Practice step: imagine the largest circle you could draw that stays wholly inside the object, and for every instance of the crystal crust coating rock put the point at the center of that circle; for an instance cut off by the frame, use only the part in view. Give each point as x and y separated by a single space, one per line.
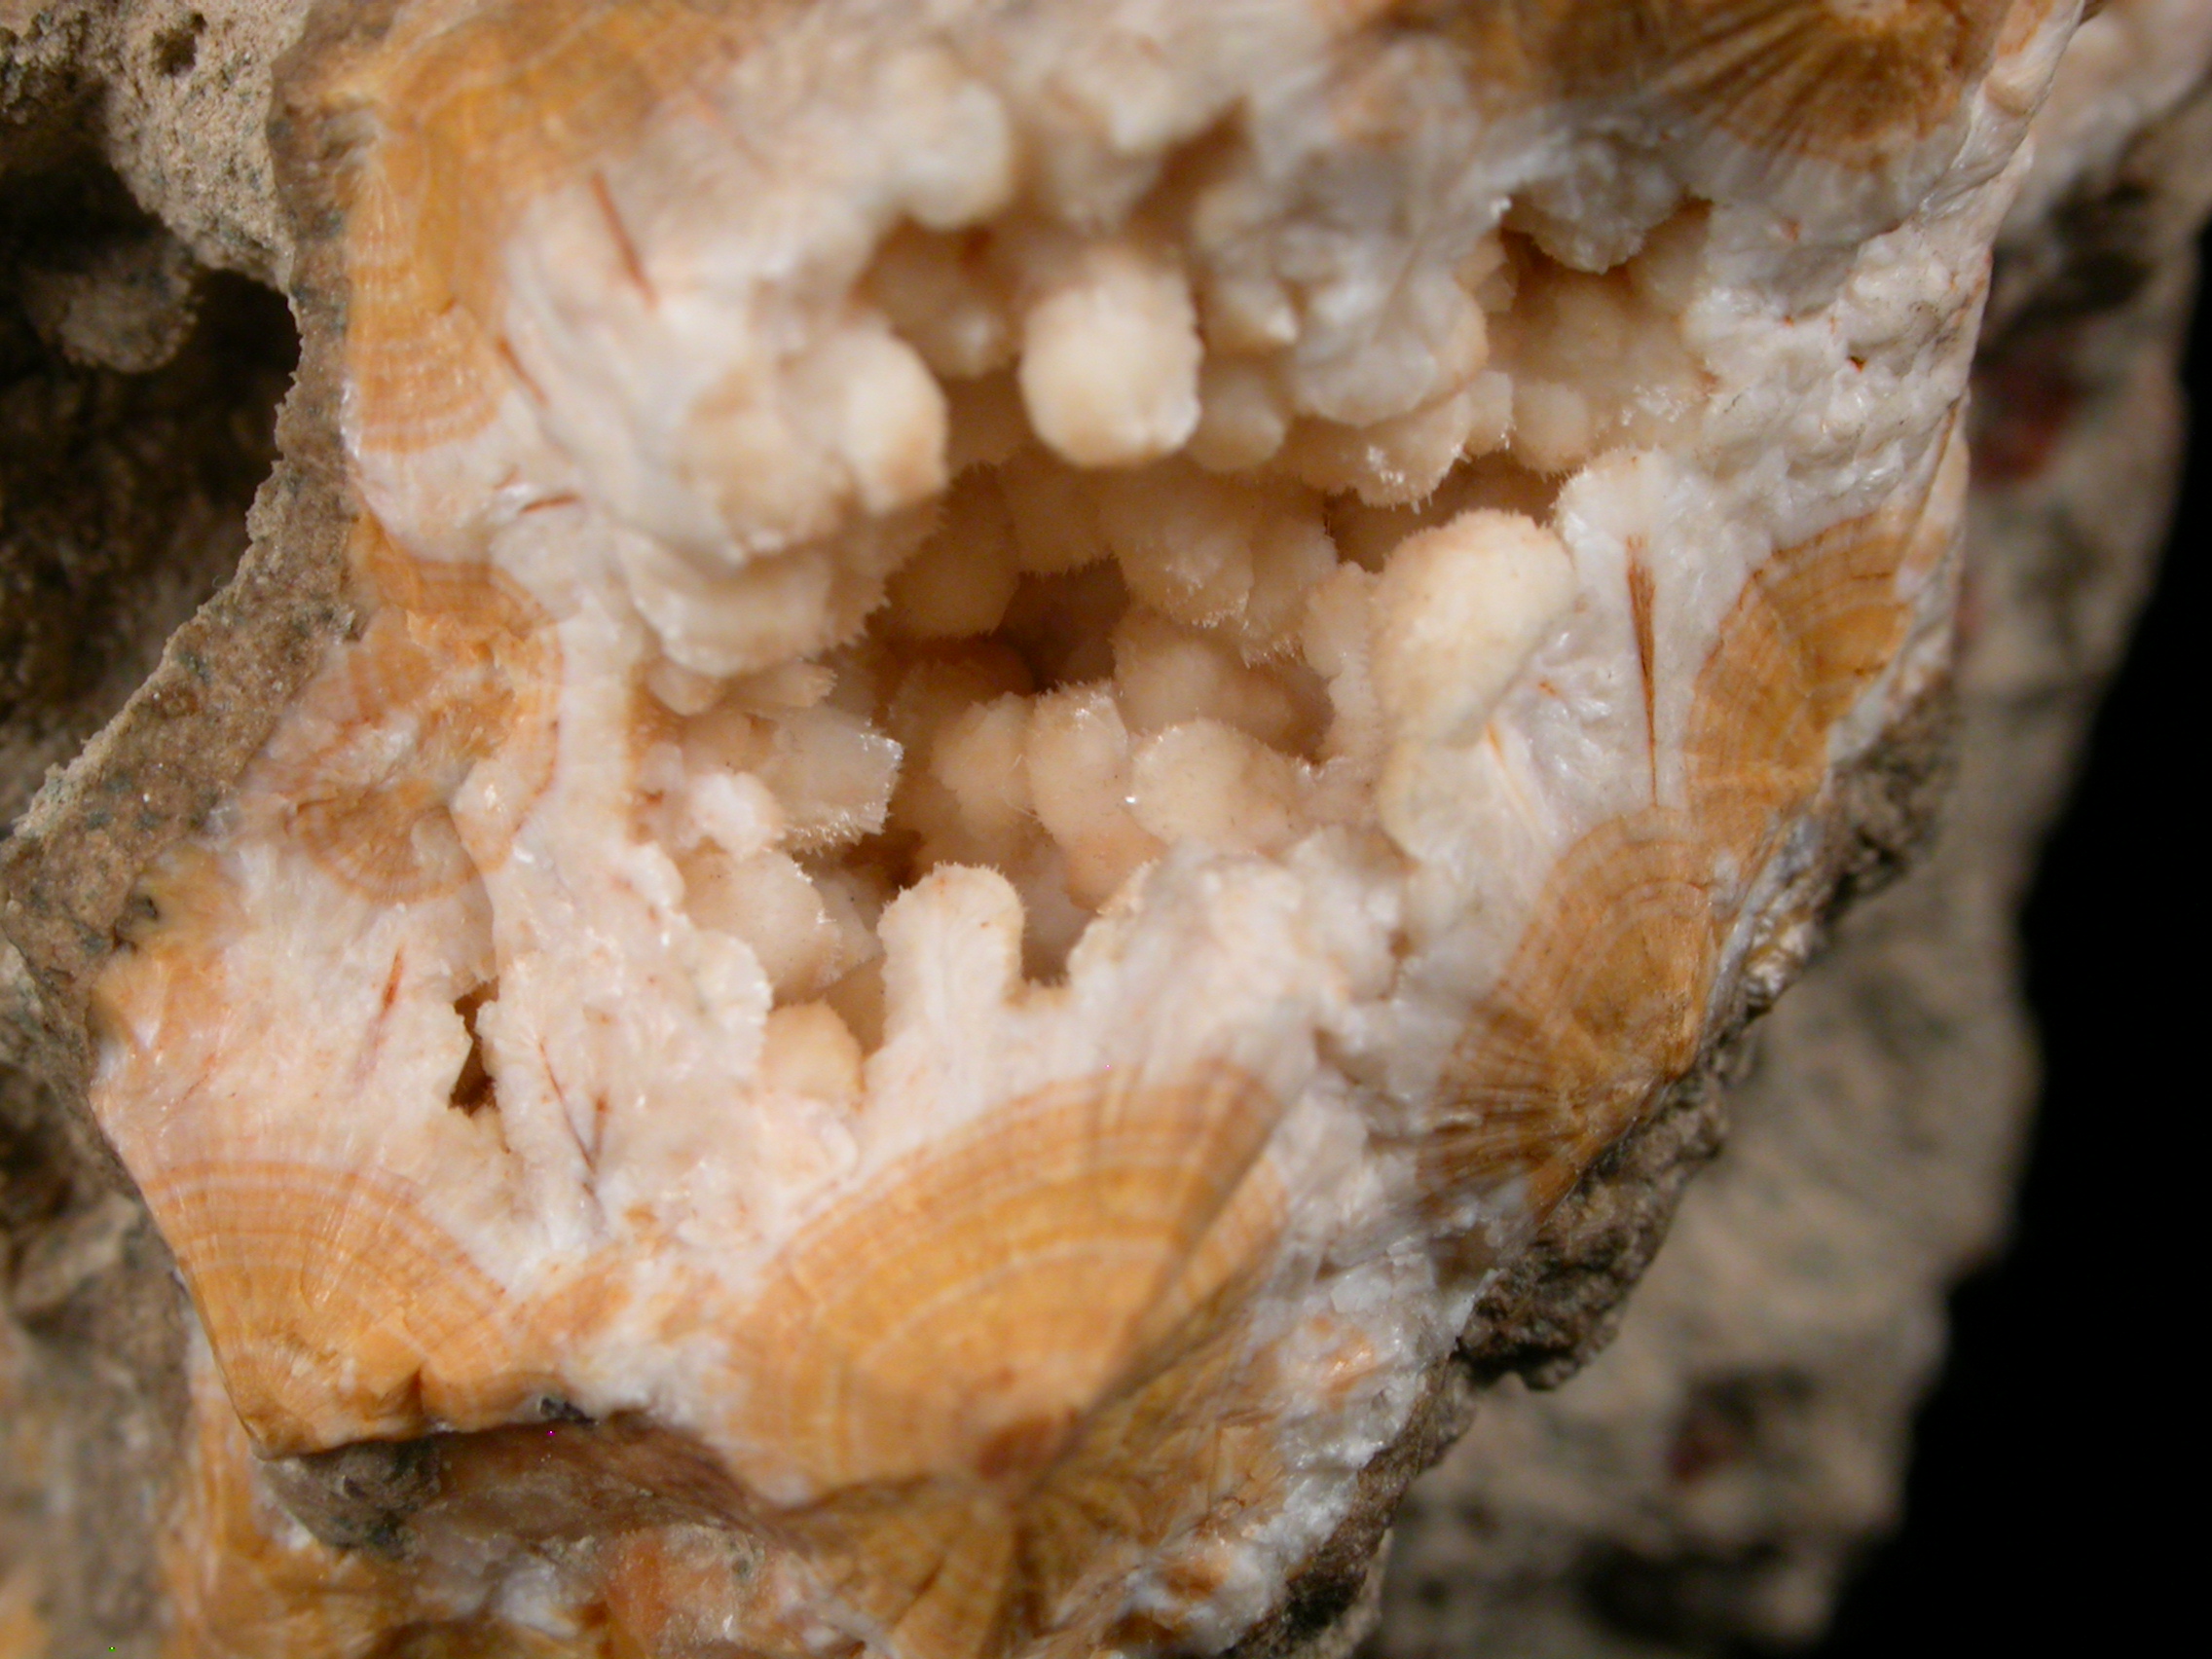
1050 713
1717 1472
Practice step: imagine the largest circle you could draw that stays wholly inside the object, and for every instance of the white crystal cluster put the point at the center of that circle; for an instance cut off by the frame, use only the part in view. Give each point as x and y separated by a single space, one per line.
971 602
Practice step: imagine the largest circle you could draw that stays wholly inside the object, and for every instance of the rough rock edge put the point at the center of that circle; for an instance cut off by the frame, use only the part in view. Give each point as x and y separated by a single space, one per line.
1561 1301
184 737
66 874
175 93
100 1386
116 1314
2090 314
180 742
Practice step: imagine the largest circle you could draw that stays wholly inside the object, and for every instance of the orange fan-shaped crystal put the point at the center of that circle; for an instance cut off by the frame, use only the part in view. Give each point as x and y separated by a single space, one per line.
336 1309
1015 1352
480 108
1813 629
1604 999
414 757
1843 80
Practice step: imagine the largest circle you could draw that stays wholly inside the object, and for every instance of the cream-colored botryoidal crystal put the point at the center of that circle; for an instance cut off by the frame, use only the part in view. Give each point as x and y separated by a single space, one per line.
1055 707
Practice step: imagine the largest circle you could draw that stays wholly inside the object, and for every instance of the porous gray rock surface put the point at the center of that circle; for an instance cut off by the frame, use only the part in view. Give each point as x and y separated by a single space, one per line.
172 95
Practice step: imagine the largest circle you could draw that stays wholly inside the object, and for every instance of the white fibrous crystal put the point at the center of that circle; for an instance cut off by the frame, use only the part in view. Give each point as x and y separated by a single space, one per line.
1110 360
1058 707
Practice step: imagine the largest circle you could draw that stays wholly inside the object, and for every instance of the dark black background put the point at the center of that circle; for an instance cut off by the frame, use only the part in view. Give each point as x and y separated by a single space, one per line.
2054 1493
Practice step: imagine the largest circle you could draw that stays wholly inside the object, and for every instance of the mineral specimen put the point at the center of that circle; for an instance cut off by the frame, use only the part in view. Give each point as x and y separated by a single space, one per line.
1051 709
1715 1475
